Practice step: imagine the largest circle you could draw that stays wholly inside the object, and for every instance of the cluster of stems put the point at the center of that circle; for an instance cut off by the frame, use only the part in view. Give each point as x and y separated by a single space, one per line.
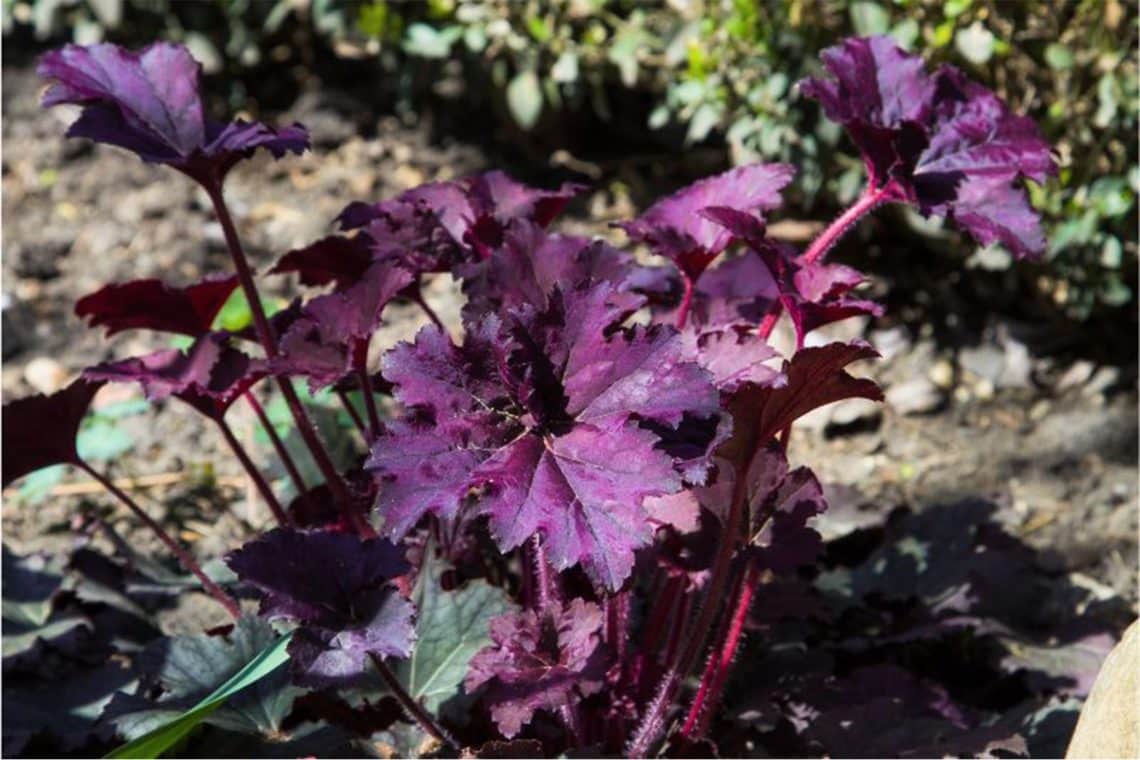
729 570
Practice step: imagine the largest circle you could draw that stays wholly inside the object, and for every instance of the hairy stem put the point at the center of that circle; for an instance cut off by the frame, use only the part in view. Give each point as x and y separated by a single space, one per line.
184 558
278 445
870 199
255 474
265 334
719 659
543 588
727 652
686 301
648 731
413 708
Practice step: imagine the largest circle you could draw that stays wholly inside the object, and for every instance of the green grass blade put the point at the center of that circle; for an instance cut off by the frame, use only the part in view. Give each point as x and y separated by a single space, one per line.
158 741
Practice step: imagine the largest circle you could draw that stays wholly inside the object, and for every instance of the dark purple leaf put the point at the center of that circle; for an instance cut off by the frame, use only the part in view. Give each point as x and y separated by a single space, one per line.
816 376
539 661
339 587
939 141
148 103
674 228
154 305
210 375
782 503
337 258
39 431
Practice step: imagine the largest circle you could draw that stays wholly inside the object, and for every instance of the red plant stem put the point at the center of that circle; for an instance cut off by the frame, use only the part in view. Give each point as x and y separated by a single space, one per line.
731 644
652 722
255 474
411 706
871 198
265 335
686 301
278 445
374 427
355 415
868 201
720 658
184 558
770 320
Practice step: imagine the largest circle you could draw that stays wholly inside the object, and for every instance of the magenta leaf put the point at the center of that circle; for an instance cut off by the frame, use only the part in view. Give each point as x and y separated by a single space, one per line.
554 409
733 355
329 339
673 228
154 305
539 661
531 262
938 141
148 103
39 431
339 587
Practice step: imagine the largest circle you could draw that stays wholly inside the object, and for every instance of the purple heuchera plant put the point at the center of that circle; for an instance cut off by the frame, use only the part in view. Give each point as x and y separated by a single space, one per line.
945 144
148 103
604 436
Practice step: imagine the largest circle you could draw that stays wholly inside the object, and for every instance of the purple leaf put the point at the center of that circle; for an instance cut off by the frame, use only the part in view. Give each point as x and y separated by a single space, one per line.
336 258
440 224
39 431
938 141
209 375
530 263
539 661
674 228
813 294
583 491
739 290
425 470
733 355
329 339
816 377
148 103
338 586
154 305
551 411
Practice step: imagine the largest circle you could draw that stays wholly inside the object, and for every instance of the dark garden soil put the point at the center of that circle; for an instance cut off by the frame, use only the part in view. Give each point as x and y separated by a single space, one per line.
1048 437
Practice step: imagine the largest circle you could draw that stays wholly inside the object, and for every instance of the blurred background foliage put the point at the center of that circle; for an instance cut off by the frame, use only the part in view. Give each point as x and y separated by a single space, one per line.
710 76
